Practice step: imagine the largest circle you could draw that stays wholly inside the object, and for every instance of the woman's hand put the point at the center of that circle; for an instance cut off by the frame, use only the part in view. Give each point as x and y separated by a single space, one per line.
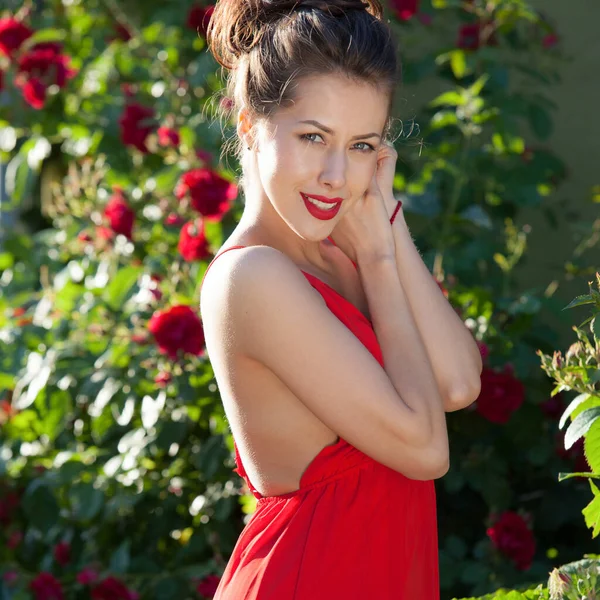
365 231
386 170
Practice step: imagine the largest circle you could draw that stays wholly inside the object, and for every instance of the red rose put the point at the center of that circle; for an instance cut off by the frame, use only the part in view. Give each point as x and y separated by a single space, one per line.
210 194
162 379
178 328
501 395
550 40
112 589
34 93
12 34
511 535
174 220
198 18
10 577
104 233
554 407
84 236
168 136
46 587
405 9
574 454
15 538
62 553
136 124
120 214
141 339
205 157
45 61
87 575
42 66
8 506
192 241
474 35
122 33
483 350
207 587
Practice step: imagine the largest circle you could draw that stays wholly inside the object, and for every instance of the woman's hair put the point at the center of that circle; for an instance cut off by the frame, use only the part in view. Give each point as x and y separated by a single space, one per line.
268 45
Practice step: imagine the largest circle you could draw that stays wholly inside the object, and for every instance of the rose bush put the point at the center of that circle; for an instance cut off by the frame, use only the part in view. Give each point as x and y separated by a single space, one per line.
115 456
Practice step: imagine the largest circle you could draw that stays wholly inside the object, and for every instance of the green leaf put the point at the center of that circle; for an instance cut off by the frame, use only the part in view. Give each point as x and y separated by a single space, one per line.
540 121
40 506
86 501
46 35
580 426
592 511
474 573
6 261
170 588
588 475
592 447
572 406
452 98
478 216
502 262
443 118
119 563
19 179
595 327
478 86
458 63
580 301
166 179
118 289
456 547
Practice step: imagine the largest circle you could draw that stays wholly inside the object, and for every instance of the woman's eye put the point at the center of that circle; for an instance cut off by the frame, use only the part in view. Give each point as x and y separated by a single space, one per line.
367 147
308 137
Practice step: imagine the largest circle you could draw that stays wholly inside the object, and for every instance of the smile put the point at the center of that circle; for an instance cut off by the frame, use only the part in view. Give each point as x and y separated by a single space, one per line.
322 208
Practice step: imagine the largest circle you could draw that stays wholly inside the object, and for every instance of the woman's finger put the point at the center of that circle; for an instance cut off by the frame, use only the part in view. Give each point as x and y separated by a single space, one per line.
386 169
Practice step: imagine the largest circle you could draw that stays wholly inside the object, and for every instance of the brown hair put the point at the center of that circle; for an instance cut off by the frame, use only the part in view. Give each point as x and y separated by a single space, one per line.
268 45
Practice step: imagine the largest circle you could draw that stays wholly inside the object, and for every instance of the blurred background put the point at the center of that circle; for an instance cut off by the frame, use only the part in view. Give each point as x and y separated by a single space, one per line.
116 460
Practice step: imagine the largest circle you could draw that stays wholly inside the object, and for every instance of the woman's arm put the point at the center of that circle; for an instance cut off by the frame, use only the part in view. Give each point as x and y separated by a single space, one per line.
405 356
452 351
257 306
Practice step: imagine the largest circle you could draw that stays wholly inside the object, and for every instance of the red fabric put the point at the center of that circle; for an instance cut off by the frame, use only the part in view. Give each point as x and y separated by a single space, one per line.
355 529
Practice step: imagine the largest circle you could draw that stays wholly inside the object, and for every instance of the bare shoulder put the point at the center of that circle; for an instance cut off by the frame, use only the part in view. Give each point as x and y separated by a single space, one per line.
249 277
245 269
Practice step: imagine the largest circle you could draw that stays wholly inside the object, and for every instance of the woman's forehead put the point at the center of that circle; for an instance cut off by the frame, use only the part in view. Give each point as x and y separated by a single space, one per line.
338 103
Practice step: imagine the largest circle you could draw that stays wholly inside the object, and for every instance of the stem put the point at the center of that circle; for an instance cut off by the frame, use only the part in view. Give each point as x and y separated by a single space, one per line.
438 272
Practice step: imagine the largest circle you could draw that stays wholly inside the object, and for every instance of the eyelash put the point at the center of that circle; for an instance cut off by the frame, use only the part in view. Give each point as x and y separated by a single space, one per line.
305 137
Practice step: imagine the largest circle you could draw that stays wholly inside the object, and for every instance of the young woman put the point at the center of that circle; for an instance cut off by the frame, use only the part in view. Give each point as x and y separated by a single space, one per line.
335 352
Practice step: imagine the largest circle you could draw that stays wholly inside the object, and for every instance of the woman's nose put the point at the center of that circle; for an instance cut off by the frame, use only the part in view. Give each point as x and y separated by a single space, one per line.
333 171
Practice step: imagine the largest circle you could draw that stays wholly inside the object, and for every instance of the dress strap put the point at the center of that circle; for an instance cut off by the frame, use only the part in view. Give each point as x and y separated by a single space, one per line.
215 258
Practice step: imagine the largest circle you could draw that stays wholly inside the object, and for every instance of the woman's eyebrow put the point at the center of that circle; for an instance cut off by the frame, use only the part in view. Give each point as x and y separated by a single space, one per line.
330 131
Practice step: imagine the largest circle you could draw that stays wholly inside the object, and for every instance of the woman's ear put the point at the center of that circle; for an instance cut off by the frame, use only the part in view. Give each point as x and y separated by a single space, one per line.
244 127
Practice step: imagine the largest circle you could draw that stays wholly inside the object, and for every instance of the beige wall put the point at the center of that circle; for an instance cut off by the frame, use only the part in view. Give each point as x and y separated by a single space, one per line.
576 140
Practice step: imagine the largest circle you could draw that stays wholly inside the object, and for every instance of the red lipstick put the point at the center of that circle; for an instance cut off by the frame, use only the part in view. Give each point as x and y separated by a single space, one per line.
320 213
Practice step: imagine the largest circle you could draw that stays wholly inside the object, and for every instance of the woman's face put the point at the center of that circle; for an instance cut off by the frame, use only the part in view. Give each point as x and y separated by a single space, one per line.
325 144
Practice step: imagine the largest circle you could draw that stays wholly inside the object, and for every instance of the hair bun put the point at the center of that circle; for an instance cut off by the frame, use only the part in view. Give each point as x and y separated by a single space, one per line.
236 26
336 8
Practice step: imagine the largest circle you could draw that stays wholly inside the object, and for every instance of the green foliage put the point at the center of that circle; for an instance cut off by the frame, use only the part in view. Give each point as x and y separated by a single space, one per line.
122 451
579 371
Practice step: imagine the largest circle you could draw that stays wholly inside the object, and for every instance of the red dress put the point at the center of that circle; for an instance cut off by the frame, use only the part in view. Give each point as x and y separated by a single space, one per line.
355 530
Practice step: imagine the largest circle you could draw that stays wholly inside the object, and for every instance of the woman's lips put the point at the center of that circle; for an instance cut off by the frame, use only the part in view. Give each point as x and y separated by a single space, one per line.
321 213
